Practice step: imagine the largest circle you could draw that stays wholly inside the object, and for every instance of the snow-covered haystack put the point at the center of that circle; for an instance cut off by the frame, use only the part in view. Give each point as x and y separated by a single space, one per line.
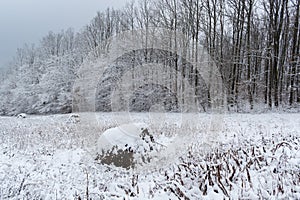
126 145
74 118
21 115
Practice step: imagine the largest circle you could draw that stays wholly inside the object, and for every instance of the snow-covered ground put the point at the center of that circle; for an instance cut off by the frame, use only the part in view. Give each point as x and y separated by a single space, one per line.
237 156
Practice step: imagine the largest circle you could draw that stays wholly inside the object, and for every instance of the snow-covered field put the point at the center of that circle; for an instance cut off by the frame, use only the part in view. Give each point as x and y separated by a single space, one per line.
236 156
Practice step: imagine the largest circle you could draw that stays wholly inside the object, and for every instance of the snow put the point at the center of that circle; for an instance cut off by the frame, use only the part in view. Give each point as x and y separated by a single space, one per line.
253 156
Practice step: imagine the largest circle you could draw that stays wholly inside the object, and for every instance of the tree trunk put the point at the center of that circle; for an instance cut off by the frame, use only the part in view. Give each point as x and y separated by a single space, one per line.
295 55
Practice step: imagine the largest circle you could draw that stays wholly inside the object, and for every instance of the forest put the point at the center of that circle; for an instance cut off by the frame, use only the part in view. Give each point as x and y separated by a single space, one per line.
255 45
161 99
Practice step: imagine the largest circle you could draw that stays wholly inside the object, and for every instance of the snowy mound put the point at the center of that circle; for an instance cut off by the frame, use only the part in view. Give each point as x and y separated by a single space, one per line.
126 145
21 115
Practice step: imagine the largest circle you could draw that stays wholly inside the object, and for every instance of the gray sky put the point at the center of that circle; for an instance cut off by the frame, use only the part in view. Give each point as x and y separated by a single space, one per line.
27 21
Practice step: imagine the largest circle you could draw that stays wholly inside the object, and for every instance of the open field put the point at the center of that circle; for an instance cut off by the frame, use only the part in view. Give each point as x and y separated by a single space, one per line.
237 156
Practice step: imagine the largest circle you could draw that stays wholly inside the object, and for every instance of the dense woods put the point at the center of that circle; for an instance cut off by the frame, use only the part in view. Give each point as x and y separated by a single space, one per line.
254 43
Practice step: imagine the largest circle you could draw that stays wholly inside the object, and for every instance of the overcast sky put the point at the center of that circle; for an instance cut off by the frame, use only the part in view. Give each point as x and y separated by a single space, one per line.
27 21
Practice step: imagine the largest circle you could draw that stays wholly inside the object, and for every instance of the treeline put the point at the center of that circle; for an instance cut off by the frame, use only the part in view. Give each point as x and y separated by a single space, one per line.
255 44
